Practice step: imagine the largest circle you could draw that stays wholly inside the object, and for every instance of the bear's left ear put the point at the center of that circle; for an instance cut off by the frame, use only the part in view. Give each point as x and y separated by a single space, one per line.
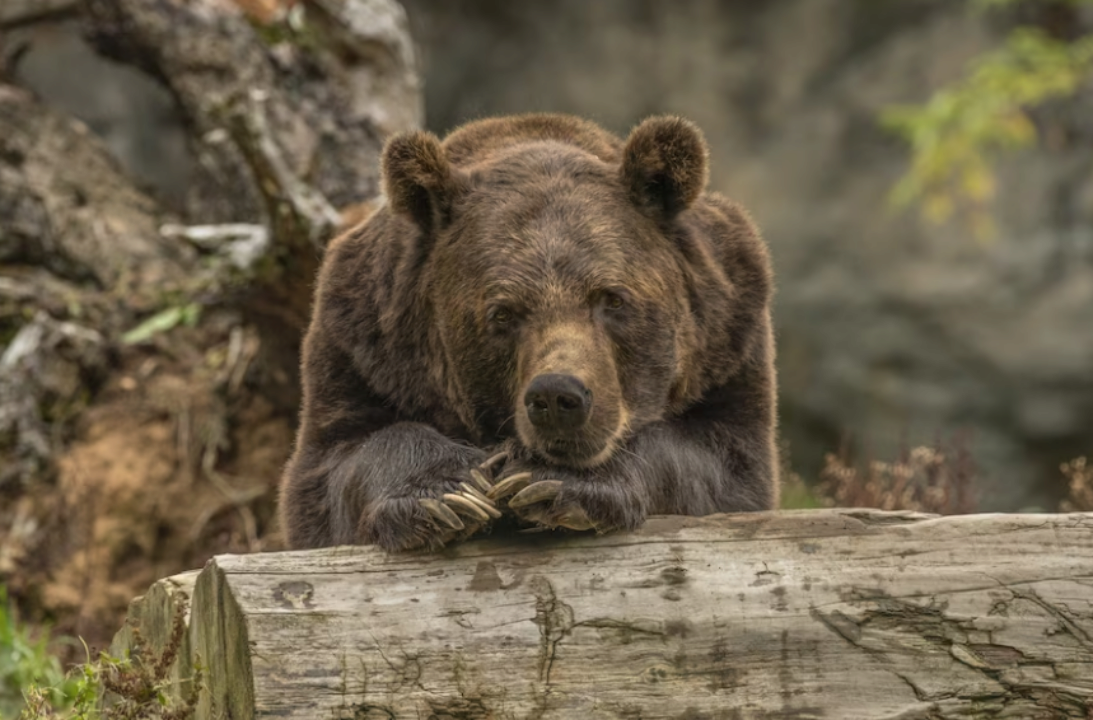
664 166
419 180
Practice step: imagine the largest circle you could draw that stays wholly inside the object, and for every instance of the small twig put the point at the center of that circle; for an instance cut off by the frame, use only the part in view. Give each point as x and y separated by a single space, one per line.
184 430
242 349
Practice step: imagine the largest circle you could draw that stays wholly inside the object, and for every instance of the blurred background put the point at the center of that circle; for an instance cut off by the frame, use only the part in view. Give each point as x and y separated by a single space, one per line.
169 173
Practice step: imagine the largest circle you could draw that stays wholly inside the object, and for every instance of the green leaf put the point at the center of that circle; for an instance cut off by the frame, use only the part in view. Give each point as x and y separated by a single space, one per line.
957 133
162 322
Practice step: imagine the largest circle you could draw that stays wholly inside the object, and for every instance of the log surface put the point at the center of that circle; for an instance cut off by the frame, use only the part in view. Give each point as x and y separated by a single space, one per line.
809 614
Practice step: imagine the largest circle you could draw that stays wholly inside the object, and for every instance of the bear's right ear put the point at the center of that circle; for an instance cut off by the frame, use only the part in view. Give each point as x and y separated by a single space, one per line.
418 179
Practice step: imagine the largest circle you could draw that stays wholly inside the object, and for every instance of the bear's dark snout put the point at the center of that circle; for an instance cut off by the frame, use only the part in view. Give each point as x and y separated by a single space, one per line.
557 403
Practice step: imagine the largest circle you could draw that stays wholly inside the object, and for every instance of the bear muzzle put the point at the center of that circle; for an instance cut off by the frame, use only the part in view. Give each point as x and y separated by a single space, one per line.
558 422
557 404
570 409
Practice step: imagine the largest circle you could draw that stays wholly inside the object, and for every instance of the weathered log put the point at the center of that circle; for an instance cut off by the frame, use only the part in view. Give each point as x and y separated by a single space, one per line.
834 614
152 615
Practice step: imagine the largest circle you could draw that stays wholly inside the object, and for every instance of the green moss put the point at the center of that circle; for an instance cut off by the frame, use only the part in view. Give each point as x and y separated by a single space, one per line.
294 28
25 662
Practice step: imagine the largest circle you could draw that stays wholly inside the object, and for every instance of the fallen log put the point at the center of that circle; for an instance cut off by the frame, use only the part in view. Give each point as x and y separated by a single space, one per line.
807 614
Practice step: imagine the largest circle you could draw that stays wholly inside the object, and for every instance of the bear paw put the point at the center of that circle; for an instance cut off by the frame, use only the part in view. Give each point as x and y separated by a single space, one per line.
538 502
408 522
574 504
468 501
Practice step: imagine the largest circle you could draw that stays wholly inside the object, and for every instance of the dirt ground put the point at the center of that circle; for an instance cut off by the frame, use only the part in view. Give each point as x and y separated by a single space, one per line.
166 469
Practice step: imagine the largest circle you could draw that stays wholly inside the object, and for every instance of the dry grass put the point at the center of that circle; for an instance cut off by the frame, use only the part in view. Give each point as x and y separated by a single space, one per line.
1079 474
933 479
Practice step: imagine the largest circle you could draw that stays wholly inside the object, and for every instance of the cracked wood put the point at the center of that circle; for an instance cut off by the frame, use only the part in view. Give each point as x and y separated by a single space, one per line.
833 614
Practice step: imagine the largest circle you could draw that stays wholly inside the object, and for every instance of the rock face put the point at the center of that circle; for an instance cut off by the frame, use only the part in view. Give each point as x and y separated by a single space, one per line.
129 444
890 330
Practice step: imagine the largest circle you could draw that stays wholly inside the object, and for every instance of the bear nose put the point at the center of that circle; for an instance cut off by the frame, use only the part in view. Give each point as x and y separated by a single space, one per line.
557 402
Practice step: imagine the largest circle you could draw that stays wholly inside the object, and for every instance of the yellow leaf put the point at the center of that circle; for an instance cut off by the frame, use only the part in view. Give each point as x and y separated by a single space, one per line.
978 184
937 208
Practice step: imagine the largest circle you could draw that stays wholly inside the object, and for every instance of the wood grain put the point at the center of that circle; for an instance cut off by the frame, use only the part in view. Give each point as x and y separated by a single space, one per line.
833 614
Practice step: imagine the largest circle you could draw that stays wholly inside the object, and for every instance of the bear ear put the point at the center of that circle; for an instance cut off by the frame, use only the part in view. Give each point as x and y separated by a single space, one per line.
418 179
664 166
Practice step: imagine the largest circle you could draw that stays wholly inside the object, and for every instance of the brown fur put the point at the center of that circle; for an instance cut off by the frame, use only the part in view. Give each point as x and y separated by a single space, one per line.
528 245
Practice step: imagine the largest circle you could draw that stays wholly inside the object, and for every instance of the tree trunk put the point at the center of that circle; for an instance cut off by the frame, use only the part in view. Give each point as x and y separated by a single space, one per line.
148 358
812 614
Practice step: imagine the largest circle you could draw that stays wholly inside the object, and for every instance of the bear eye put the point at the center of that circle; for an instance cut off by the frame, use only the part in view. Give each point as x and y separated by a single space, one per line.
613 301
501 316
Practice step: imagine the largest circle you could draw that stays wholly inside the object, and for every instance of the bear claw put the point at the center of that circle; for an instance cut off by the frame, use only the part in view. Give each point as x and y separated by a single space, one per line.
570 516
487 466
482 475
574 518
460 503
442 513
509 485
536 493
472 493
480 480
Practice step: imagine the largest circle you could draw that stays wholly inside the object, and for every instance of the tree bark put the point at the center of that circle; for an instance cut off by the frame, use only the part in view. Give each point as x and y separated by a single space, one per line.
811 614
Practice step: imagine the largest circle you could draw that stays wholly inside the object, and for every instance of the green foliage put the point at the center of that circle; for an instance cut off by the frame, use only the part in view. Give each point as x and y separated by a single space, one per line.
162 322
956 135
33 686
83 699
796 495
88 693
26 661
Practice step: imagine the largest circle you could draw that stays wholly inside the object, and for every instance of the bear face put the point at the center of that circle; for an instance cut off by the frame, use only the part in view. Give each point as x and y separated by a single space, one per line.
563 297
573 333
544 322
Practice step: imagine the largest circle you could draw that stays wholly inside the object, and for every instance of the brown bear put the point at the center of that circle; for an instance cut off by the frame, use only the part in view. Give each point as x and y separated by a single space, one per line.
540 302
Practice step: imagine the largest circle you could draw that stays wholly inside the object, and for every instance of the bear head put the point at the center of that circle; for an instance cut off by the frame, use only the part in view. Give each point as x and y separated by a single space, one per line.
559 277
